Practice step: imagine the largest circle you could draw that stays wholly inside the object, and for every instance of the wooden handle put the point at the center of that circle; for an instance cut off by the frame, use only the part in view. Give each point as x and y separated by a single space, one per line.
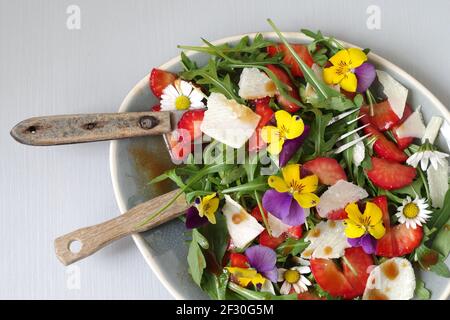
67 129
96 237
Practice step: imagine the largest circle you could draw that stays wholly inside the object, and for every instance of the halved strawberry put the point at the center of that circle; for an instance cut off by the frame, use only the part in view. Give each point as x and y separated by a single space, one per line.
262 109
272 242
189 125
256 213
288 58
360 261
339 214
159 80
385 148
293 91
398 241
390 175
295 232
328 170
239 260
384 117
403 143
330 278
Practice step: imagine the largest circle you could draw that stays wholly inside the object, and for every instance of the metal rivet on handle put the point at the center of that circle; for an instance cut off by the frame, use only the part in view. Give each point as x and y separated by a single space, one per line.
148 122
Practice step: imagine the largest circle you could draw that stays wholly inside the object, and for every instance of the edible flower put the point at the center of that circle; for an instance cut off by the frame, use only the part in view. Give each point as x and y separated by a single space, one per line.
290 195
203 210
288 127
263 259
413 212
294 278
363 228
425 155
181 95
244 276
350 70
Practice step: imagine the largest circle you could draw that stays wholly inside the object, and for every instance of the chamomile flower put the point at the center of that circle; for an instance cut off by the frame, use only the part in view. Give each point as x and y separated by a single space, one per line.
426 155
413 212
181 95
294 277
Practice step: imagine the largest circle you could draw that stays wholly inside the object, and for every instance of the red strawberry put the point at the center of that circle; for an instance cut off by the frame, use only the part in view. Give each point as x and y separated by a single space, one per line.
390 175
288 58
159 80
239 260
295 232
384 117
179 150
403 143
385 148
256 213
272 242
262 109
283 77
328 170
156 108
339 214
330 278
360 261
398 241
189 125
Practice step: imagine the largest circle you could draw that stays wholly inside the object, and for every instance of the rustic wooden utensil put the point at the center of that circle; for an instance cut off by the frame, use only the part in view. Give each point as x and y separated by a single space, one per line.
96 237
68 129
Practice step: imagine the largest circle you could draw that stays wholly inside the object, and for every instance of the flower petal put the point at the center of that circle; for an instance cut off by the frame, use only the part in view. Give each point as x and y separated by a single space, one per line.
307 200
333 75
283 118
353 212
365 74
261 258
270 134
357 57
354 242
272 275
278 184
295 127
349 82
291 146
193 220
342 57
296 215
291 174
277 203
210 206
309 183
372 214
353 230
368 243
377 231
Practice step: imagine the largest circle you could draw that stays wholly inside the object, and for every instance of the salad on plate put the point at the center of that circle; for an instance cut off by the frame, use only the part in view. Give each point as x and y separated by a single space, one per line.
309 174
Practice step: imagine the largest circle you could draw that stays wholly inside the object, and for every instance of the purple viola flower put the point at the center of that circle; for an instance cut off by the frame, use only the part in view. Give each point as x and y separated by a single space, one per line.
283 206
193 219
367 242
291 146
365 74
264 260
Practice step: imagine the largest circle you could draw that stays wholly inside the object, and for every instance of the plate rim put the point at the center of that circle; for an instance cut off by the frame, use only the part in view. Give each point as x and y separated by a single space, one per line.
121 202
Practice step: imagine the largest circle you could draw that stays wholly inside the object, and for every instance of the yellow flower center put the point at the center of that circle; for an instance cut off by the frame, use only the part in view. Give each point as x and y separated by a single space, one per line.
292 276
411 210
182 103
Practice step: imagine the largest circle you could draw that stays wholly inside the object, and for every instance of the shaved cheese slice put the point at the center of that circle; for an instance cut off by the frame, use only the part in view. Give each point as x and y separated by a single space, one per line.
338 196
278 227
413 126
228 121
394 91
328 241
242 227
432 130
394 279
254 84
438 183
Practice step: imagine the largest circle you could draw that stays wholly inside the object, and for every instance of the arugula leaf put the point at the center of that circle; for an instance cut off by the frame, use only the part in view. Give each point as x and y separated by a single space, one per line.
441 242
441 216
423 254
217 236
196 261
292 247
255 295
258 184
421 292
200 239
215 286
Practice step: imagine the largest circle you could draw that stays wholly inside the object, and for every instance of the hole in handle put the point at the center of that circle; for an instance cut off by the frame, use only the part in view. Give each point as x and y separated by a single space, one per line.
75 246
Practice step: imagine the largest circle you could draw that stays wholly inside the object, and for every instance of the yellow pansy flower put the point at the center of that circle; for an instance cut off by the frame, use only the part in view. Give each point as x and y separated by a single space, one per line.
343 70
358 224
301 188
207 206
246 276
288 127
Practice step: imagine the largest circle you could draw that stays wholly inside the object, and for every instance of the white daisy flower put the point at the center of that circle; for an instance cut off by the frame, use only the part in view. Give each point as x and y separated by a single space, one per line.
181 95
426 157
413 212
294 277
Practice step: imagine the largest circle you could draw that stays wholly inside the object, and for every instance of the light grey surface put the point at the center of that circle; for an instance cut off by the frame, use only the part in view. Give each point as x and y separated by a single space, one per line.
47 69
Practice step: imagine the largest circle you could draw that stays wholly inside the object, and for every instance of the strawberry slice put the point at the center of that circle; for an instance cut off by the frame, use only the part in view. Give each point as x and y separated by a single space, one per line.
328 170
239 260
330 278
189 125
301 50
405 142
272 242
256 213
339 214
295 232
384 117
159 80
390 175
398 241
262 109
360 261
293 91
384 148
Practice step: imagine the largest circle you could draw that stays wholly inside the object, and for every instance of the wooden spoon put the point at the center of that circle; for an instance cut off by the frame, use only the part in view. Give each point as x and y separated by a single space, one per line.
96 237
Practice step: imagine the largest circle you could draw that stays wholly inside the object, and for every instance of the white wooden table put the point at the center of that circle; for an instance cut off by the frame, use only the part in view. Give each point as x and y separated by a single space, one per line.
46 68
